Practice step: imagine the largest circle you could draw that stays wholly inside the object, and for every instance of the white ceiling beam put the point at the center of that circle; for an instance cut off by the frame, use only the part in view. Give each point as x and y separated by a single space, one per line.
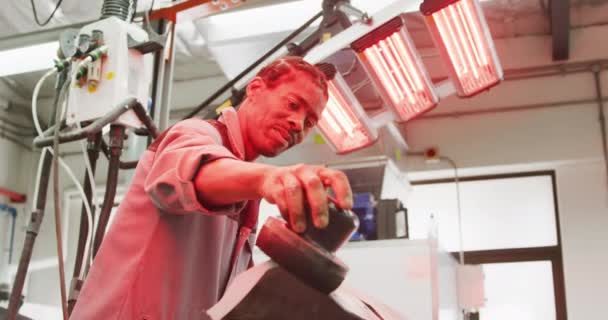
188 94
284 17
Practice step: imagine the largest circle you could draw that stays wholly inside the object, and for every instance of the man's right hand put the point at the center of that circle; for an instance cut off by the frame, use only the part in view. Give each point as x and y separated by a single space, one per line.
295 188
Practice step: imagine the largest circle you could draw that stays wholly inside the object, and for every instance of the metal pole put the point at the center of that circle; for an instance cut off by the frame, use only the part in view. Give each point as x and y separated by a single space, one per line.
167 84
117 136
97 125
30 237
157 75
12 241
140 112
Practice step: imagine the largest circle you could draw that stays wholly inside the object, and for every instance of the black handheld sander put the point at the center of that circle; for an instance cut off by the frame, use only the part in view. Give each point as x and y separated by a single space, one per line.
310 256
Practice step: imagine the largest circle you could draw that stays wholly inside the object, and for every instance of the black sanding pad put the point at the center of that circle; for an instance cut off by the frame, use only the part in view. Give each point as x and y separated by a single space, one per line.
309 262
309 256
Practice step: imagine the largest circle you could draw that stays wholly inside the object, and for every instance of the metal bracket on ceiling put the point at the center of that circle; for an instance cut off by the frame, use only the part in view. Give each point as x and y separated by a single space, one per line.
348 9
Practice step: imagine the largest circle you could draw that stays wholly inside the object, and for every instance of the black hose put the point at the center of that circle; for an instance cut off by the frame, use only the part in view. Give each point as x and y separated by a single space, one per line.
117 134
48 19
231 83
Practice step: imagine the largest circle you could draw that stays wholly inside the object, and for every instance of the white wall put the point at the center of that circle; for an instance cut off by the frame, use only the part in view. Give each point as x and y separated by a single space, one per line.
583 208
566 139
583 211
11 158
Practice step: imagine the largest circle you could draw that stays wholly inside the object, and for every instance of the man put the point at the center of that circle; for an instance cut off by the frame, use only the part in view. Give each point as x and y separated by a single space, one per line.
185 227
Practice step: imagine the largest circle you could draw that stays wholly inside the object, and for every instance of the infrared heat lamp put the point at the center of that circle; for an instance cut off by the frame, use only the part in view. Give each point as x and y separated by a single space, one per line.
344 123
460 33
393 64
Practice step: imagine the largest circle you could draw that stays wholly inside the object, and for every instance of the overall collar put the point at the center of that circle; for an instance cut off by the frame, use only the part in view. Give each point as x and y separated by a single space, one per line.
230 118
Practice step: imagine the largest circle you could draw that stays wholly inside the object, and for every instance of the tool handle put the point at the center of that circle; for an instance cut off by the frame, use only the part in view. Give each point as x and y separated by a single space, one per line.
342 224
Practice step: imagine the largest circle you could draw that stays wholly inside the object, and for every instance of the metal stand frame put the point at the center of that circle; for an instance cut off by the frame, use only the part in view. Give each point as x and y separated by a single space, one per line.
90 131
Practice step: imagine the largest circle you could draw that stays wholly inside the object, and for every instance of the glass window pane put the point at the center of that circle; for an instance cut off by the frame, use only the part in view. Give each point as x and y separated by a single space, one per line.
496 214
522 291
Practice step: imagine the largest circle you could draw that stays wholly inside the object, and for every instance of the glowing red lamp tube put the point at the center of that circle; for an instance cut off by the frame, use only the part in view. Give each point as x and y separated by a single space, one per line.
392 62
460 32
343 123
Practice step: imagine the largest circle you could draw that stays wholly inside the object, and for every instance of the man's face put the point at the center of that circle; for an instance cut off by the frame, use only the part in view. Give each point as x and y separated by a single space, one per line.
280 117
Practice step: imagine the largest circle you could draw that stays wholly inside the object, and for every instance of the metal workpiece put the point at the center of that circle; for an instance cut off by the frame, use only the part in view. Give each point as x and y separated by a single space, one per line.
309 256
279 295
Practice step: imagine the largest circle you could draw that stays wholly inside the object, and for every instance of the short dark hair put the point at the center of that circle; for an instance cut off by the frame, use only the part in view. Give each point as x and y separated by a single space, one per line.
273 72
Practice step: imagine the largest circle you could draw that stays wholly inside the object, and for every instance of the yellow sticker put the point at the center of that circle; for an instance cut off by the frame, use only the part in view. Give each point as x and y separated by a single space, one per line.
326 36
92 87
397 154
319 139
223 106
110 75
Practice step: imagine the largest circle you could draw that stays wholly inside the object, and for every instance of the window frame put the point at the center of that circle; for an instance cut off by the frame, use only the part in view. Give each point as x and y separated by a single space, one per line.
545 253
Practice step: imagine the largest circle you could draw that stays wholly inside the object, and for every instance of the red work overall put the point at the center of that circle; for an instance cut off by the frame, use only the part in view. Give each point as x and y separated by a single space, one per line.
167 255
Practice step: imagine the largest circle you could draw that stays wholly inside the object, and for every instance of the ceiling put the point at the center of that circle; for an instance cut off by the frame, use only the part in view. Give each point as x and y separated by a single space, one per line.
506 18
197 46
